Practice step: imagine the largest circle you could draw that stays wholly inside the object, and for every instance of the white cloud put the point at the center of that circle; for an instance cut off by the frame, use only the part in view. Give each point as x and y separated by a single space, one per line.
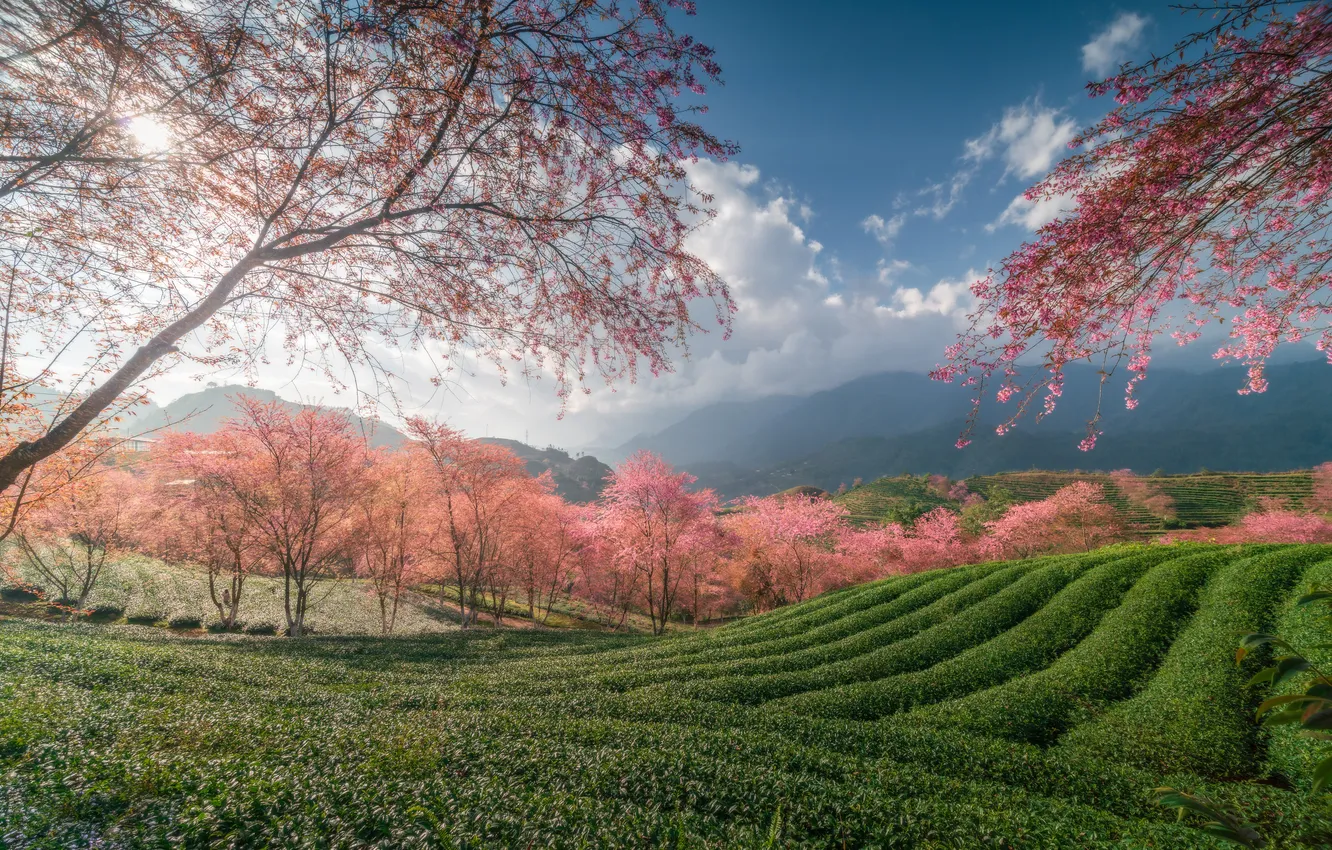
884 231
943 196
888 270
1033 215
1029 138
800 328
1114 44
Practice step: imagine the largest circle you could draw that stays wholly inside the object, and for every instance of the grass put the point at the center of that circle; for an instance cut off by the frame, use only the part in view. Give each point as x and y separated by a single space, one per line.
956 712
145 591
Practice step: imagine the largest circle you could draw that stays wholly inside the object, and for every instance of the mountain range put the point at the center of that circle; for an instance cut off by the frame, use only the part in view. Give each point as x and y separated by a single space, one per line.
895 422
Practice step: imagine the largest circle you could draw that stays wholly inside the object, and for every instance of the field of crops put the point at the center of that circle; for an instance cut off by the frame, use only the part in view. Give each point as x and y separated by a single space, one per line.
1021 704
1200 499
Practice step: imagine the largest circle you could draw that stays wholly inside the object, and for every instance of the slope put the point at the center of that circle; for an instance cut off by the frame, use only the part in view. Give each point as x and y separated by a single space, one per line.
997 682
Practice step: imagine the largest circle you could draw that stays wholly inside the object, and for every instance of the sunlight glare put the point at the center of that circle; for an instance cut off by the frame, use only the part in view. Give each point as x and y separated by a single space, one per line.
151 134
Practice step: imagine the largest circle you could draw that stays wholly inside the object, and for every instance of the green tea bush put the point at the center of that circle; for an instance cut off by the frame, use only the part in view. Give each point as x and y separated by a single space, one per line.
1195 714
1124 647
1028 645
129 737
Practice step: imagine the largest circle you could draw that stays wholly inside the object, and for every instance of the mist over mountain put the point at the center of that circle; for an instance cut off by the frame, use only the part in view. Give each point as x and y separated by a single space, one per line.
897 422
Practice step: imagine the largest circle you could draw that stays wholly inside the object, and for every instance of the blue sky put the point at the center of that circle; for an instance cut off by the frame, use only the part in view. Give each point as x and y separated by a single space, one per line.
882 149
849 106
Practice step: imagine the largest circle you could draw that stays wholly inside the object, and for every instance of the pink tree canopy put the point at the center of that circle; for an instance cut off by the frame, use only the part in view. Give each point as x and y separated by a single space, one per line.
1203 197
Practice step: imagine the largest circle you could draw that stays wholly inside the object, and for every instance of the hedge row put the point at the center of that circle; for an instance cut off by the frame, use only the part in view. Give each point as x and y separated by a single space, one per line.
1029 645
846 637
338 774
1291 754
785 622
1125 647
1195 714
976 625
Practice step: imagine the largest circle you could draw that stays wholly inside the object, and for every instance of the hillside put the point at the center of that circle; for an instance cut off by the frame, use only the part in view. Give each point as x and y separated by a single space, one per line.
1033 704
1200 499
579 480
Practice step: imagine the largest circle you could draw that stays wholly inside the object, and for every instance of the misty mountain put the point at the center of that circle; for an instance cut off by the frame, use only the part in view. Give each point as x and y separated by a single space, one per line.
205 411
903 422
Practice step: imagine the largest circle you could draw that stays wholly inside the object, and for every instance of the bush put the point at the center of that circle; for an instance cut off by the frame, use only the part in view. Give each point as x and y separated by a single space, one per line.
106 612
185 621
22 592
260 629
1030 645
1195 713
1125 645
843 638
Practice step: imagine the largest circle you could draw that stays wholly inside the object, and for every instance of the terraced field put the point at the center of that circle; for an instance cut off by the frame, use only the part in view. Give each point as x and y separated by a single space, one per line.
1201 499
1021 704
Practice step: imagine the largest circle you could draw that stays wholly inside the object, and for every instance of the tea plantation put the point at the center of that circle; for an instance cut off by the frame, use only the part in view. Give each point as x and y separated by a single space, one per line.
1021 704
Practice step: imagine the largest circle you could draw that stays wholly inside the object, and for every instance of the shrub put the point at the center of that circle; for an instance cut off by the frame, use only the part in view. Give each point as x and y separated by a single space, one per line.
260 629
1125 645
22 592
1029 645
185 621
1195 714
106 612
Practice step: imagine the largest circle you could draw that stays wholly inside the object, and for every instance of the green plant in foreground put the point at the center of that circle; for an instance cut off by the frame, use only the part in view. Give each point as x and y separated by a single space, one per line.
1310 709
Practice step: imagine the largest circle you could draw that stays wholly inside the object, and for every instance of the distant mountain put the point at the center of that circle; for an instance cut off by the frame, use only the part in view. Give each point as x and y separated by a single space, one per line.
205 411
903 422
579 479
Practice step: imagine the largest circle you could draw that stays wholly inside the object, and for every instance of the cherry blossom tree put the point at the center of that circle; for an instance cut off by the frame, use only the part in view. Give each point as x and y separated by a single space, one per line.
478 489
199 518
544 549
788 547
503 182
1076 518
870 552
68 538
298 479
935 540
652 518
1144 494
1208 185
394 523
1321 498
607 582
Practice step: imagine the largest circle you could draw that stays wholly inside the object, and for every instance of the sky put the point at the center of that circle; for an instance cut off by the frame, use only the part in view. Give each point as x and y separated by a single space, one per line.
884 151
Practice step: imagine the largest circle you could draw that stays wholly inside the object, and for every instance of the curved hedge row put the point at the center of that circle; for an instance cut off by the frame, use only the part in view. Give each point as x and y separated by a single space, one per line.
1290 754
1126 645
1029 645
844 638
122 736
1195 714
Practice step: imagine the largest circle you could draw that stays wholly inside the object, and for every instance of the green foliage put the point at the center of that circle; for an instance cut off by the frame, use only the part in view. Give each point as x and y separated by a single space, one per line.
901 499
1195 714
1030 644
1124 647
143 738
